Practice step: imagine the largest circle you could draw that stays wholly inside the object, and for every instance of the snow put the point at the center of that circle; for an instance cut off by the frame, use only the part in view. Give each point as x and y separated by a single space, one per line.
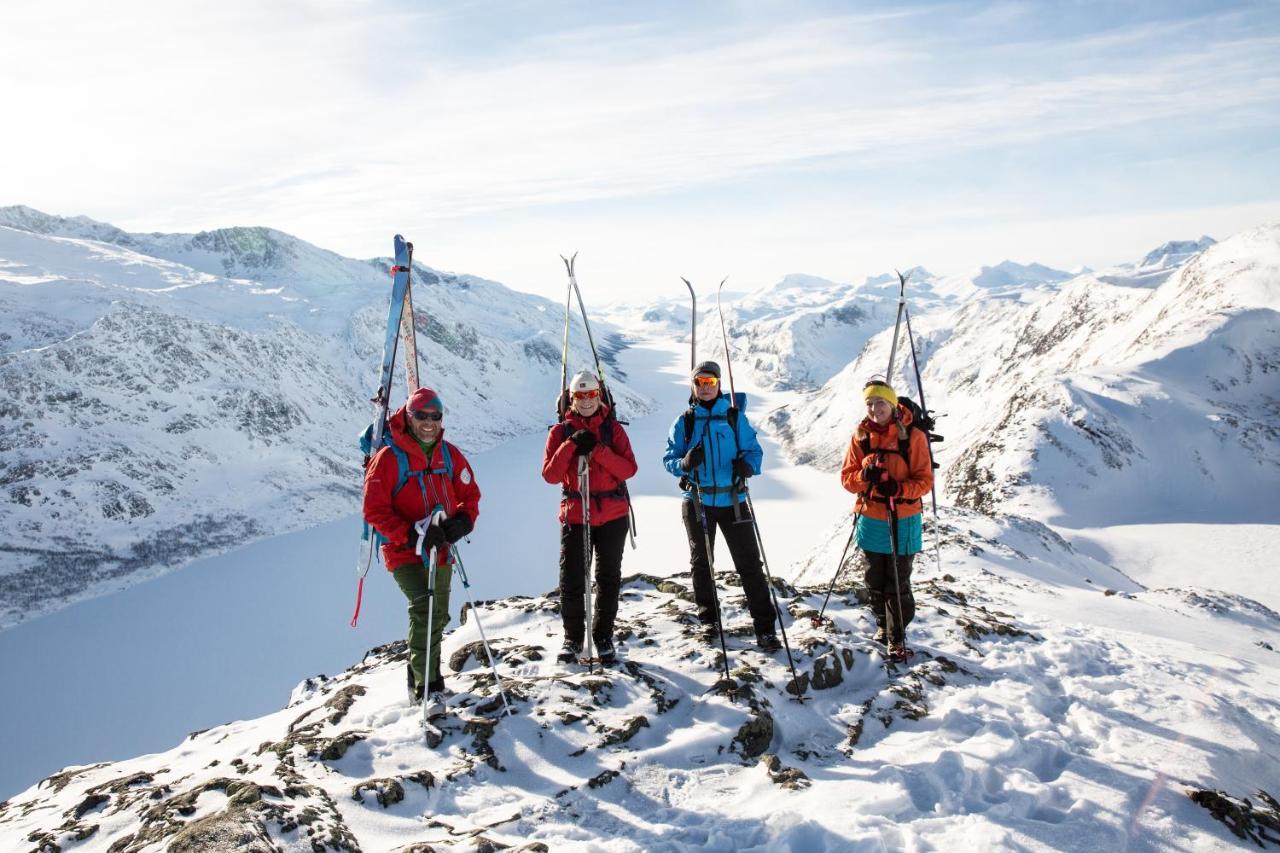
1083 726
1091 649
1240 558
292 596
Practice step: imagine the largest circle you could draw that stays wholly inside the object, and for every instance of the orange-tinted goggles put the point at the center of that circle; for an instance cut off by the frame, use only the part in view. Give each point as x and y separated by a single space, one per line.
586 395
704 381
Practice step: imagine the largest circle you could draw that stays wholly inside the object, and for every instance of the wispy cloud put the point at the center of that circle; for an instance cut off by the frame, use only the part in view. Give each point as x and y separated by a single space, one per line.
334 119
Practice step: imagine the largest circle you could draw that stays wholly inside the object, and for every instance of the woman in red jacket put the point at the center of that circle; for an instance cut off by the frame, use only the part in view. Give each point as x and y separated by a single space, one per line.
415 475
589 429
887 466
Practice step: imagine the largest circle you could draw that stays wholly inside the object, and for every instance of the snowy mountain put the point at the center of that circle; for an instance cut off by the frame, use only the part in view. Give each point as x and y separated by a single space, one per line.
1158 265
1095 386
171 395
798 333
1008 274
1036 715
164 396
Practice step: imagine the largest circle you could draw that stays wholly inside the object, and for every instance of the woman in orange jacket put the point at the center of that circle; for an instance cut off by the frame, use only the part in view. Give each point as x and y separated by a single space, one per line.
887 466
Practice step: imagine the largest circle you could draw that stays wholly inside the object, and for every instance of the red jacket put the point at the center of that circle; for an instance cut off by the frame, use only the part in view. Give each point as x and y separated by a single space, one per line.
609 467
914 479
394 515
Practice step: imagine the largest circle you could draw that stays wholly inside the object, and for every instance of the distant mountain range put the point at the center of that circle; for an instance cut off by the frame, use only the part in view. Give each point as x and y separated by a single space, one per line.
165 396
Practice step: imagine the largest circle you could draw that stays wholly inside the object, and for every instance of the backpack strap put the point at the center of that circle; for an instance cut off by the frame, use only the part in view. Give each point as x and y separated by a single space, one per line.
731 417
407 473
402 464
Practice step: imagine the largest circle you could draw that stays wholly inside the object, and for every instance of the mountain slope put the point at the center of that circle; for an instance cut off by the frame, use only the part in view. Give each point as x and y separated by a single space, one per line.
154 410
1095 383
1035 715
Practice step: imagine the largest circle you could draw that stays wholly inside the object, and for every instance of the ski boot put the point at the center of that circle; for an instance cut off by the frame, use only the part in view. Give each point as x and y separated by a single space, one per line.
569 652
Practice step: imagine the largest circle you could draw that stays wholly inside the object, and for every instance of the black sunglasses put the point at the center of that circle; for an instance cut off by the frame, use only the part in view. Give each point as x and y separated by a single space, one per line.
428 415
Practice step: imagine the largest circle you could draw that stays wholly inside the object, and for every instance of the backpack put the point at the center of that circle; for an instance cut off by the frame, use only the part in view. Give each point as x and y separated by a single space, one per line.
736 405
921 420
406 473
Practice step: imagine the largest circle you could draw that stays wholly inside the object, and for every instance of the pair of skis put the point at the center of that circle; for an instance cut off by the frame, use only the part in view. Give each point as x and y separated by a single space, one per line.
563 404
400 334
736 401
401 337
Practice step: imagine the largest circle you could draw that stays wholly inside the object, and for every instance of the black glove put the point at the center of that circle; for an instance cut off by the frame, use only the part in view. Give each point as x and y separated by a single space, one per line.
742 468
684 484
456 526
434 538
412 544
888 487
873 474
585 439
693 458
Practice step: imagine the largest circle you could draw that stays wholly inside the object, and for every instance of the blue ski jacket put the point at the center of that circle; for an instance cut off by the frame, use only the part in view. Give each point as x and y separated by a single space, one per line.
720 446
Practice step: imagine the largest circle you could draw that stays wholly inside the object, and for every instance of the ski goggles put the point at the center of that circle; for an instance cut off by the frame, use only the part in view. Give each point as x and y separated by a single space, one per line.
428 415
586 395
706 381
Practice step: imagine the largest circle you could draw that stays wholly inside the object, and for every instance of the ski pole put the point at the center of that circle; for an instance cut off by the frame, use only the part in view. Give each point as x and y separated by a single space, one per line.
817 620
933 487
466 588
764 561
584 489
422 526
897 586
711 571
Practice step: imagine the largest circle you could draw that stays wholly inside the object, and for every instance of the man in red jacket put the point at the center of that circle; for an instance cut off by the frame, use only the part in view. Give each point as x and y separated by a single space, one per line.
414 477
589 429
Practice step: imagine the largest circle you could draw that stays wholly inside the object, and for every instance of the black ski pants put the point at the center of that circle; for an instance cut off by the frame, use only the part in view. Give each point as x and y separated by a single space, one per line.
884 595
741 539
607 541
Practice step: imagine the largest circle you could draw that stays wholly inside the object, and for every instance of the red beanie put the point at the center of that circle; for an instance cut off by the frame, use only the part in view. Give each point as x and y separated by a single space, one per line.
422 399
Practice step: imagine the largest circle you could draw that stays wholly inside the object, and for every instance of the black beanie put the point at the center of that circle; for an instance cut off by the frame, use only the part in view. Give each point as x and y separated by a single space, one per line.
707 367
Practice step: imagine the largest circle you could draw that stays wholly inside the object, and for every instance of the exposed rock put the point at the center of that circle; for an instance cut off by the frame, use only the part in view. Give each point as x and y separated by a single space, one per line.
791 778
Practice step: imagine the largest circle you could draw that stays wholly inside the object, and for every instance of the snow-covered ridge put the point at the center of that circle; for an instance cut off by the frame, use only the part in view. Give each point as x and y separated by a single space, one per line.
1093 385
1036 714
168 396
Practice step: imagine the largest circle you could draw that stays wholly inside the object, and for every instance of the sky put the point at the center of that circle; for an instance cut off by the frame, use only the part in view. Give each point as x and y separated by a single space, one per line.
659 140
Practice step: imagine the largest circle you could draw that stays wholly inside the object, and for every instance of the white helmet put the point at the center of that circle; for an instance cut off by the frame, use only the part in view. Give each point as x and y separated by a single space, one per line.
584 380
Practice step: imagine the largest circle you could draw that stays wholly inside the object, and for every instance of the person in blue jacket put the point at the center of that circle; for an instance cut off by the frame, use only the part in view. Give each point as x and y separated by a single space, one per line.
713 449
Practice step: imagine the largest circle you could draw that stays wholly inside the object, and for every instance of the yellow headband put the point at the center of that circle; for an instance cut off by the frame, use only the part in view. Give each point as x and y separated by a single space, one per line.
879 389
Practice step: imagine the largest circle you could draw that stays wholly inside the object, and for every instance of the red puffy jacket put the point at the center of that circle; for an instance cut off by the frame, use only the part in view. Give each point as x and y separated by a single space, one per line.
609 467
394 515
914 475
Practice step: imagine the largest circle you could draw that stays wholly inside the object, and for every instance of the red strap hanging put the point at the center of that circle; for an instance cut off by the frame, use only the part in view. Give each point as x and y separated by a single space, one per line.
359 596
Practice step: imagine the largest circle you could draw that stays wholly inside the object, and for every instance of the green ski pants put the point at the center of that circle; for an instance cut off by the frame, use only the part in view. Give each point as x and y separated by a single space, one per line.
412 579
